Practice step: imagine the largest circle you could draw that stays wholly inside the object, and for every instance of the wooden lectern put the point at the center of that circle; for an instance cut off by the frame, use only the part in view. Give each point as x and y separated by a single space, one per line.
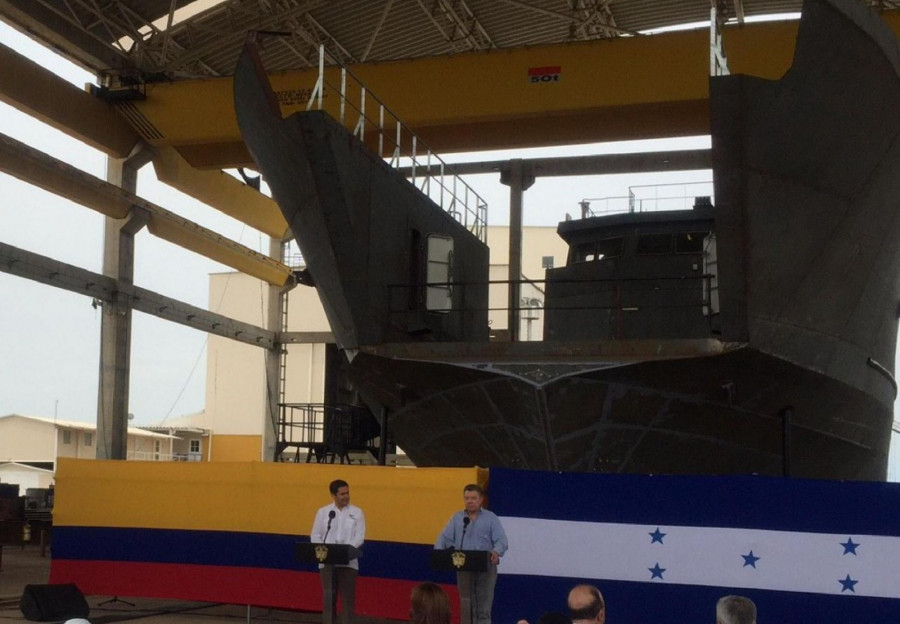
464 563
329 555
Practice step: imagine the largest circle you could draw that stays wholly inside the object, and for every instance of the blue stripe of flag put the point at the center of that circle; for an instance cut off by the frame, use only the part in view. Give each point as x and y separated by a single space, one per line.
225 548
734 501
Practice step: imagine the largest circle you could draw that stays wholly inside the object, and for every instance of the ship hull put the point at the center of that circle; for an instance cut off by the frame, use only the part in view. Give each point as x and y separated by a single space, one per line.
711 414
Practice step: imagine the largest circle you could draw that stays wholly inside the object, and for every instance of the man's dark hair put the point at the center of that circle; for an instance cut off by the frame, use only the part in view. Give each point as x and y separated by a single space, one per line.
474 487
591 610
337 484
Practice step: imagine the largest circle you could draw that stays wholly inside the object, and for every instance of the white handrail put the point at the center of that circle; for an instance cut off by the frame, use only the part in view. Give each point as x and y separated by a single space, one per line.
470 210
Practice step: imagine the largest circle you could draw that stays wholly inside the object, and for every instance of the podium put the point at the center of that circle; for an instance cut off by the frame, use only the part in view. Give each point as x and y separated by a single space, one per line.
465 563
328 555
452 560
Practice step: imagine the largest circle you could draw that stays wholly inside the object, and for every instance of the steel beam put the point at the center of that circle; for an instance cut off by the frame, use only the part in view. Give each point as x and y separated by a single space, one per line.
32 89
53 175
222 192
305 337
108 291
601 164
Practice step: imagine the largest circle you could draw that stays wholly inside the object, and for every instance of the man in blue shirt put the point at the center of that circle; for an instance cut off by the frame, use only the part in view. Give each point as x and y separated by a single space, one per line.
475 528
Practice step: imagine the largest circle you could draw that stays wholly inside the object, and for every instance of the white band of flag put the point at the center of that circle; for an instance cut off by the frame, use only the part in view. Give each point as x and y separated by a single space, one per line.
862 565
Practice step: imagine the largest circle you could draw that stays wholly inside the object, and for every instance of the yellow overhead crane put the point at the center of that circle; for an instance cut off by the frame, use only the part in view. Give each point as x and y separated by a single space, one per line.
624 88
614 89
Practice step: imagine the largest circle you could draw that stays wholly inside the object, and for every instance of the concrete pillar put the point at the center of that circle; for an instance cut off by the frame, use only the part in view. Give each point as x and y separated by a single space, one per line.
115 330
519 178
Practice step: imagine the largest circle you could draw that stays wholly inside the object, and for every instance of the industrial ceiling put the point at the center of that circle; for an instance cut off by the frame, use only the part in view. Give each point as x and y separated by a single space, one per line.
178 39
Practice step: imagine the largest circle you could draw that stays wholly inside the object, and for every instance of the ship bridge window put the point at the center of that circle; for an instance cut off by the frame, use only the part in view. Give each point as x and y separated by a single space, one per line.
439 273
654 244
598 250
690 242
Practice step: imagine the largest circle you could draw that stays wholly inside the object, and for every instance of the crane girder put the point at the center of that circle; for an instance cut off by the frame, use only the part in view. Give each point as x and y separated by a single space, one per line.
613 89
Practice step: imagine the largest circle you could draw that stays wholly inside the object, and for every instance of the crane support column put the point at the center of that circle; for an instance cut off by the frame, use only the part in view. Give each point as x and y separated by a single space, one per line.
115 331
519 178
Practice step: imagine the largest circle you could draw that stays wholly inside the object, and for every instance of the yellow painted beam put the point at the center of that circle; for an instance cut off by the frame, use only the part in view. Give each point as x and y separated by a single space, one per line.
32 89
222 192
624 88
55 176
187 234
615 89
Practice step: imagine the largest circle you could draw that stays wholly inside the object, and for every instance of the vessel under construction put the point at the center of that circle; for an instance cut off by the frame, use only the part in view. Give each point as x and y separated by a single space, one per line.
752 333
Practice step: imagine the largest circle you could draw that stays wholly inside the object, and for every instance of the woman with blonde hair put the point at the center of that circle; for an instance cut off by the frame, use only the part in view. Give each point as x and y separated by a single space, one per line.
429 604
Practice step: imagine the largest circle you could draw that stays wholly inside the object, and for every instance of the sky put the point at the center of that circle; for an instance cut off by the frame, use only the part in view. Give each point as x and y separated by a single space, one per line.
50 338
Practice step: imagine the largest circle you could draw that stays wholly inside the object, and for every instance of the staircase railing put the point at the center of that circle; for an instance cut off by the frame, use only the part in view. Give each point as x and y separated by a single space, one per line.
398 145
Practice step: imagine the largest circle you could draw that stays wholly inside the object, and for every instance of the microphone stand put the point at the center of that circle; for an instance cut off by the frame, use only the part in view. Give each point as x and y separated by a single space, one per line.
328 528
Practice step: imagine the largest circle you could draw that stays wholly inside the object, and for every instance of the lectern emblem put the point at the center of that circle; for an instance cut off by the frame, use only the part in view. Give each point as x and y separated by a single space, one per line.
458 558
321 552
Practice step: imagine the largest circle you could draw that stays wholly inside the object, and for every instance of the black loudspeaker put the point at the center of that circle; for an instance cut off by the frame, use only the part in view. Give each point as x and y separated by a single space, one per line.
42 603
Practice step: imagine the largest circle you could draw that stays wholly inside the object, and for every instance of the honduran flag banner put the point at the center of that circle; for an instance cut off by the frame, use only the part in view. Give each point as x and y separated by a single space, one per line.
227 532
664 549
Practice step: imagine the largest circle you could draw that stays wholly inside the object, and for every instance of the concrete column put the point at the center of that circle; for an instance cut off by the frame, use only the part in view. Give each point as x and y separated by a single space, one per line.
519 177
115 330
274 362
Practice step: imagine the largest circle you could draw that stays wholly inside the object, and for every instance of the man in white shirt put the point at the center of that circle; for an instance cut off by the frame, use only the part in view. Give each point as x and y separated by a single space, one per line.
341 523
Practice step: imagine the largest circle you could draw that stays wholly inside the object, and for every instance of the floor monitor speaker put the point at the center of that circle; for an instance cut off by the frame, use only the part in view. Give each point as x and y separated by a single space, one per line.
43 603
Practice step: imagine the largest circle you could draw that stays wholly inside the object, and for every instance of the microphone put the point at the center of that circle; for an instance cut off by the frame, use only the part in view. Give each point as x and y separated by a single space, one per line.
328 528
466 521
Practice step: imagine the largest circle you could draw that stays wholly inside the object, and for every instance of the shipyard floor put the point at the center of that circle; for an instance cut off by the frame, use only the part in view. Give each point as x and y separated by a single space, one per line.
22 566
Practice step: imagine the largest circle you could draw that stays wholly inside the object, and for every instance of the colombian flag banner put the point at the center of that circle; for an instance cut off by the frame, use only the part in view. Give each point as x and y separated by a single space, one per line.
227 532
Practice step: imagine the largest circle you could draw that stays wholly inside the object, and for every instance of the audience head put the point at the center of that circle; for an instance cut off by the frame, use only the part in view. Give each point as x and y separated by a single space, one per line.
586 604
735 610
429 604
552 617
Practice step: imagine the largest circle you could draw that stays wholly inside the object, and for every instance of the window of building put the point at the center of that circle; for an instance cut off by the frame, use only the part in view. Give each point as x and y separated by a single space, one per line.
601 250
583 253
67 436
547 262
654 244
88 438
609 248
195 446
439 264
689 242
